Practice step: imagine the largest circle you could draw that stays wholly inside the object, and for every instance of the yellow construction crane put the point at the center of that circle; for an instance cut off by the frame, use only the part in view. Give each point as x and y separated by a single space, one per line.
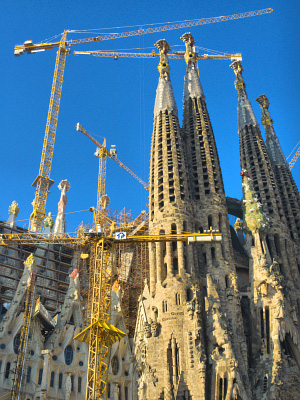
100 334
176 55
18 373
294 159
102 152
43 181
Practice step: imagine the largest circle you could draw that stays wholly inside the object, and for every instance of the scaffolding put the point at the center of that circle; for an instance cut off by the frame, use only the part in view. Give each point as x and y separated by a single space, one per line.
54 265
132 266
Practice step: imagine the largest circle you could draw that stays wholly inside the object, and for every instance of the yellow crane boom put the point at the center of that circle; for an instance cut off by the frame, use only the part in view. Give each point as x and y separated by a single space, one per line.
110 155
43 181
294 159
176 55
30 48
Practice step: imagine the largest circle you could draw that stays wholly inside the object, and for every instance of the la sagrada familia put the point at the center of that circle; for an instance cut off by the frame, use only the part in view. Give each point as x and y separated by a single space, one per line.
215 321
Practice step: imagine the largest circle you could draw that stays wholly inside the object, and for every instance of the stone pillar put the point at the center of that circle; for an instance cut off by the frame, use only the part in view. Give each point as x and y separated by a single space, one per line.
46 356
159 262
169 253
173 344
152 266
181 263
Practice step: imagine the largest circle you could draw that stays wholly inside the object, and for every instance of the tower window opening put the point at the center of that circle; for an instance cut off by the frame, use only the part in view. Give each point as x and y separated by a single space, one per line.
175 265
7 370
220 222
177 299
40 376
28 375
277 244
265 384
220 389
60 379
225 388
79 384
213 254
262 325
52 376
189 295
164 306
267 313
226 281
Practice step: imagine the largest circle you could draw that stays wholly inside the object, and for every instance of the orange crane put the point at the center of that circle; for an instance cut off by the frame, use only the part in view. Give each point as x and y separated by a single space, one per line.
43 182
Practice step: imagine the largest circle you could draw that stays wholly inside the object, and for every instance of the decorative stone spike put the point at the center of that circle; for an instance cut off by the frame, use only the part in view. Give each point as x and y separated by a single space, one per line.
60 223
245 112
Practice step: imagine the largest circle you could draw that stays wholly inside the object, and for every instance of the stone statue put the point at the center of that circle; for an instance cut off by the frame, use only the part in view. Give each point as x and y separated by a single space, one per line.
235 394
49 221
14 208
59 226
117 392
68 387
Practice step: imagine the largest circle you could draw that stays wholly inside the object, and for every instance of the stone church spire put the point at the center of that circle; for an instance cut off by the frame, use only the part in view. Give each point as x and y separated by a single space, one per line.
254 157
285 181
272 258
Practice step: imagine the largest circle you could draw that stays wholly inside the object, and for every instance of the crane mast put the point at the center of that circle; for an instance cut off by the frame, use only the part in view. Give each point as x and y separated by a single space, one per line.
43 182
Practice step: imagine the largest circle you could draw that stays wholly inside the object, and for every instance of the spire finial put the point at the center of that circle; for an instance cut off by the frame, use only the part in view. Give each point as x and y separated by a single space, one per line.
163 66
264 103
190 56
60 223
239 82
245 113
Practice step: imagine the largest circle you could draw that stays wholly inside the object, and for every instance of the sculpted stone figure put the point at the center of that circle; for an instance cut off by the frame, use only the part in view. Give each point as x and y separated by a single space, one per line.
235 394
68 387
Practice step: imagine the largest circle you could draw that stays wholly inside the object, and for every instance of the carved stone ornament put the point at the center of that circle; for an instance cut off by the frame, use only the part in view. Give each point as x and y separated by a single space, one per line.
154 328
14 208
147 330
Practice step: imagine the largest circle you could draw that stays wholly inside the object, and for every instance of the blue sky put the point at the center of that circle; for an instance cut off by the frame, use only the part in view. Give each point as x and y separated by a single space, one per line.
115 99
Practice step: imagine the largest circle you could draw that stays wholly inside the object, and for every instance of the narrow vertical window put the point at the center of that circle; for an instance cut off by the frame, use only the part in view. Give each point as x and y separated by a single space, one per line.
40 376
267 313
52 376
265 385
225 387
60 379
262 325
7 370
28 375
221 389
72 383
79 383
